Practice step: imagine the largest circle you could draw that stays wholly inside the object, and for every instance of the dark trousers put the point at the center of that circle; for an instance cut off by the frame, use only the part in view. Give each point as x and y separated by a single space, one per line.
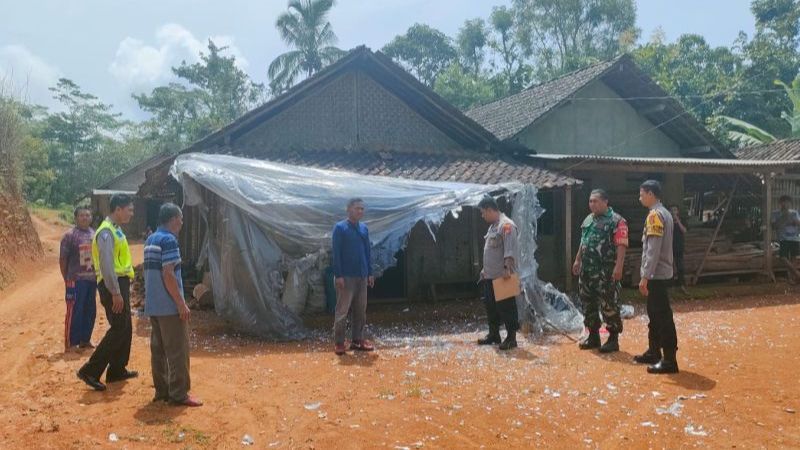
680 268
503 311
169 357
114 351
661 329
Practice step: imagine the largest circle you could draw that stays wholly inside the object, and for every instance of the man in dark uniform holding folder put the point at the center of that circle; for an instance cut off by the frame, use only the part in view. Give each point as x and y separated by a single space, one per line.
499 261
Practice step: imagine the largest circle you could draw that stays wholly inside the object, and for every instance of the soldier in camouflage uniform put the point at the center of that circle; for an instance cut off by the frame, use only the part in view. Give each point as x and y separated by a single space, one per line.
599 262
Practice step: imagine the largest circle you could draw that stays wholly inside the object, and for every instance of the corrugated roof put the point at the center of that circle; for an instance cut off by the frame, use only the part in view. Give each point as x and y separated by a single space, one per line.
674 164
787 150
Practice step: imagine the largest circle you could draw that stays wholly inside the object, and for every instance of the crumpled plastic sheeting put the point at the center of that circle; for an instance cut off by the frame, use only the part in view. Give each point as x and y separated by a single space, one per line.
540 303
278 218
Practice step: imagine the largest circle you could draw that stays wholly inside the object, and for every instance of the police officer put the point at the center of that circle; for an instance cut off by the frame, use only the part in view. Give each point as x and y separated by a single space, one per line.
656 277
599 262
499 260
113 265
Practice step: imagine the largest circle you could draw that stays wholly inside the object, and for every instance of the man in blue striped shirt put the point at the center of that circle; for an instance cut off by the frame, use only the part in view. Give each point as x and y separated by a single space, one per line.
353 272
167 309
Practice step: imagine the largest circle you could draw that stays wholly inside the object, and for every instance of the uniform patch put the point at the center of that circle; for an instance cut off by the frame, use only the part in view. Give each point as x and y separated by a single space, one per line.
507 228
654 226
621 233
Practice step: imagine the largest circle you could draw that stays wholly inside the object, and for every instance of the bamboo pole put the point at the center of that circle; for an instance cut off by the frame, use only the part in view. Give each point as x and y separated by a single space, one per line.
716 233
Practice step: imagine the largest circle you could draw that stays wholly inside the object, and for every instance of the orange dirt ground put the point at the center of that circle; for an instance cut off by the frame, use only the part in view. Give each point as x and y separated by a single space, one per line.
427 386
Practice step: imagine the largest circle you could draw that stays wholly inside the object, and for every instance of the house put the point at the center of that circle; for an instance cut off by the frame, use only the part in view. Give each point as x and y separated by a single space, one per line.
365 114
610 109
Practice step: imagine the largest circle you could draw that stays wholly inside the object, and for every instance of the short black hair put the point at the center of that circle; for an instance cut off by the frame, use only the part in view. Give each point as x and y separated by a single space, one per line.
167 212
79 209
785 198
120 201
600 193
353 201
652 186
488 202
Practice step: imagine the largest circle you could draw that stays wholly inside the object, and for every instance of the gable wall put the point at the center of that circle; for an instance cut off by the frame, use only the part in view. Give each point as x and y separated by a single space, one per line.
598 127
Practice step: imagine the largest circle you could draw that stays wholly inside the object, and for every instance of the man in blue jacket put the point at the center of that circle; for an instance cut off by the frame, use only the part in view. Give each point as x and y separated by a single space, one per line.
353 273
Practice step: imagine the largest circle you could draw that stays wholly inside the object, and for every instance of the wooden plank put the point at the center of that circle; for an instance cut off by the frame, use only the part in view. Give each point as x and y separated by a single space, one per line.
568 237
767 223
716 231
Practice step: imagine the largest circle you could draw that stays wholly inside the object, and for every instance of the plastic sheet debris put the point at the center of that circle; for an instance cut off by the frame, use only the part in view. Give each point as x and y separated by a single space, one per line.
674 409
265 219
649 424
312 406
691 430
790 410
181 436
247 440
626 311
113 437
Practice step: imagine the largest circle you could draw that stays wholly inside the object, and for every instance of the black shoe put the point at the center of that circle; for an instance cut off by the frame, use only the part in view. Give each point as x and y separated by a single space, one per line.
490 339
510 342
611 345
648 357
92 382
663 366
127 375
592 341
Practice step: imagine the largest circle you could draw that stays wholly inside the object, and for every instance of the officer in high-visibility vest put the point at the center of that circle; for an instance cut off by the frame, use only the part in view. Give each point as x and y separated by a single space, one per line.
114 268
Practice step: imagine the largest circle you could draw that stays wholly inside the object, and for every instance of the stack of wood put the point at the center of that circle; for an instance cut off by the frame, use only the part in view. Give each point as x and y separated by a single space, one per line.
725 256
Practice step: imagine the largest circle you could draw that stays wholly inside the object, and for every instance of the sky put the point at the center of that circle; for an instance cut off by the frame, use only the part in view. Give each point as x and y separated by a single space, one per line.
115 48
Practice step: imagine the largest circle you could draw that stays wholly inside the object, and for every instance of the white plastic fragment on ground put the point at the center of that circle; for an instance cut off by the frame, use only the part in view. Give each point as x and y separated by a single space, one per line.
674 409
649 424
691 430
312 406
247 440
626 311
113 437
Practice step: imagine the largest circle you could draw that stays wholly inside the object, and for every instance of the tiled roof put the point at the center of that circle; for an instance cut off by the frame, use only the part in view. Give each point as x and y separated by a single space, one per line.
672 164
467 168
510 115
784 150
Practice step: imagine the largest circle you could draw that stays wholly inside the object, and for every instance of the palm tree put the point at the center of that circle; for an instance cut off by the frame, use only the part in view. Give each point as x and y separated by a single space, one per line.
305 28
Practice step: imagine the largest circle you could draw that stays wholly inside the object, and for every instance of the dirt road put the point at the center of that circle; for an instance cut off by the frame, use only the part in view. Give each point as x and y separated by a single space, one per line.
428 386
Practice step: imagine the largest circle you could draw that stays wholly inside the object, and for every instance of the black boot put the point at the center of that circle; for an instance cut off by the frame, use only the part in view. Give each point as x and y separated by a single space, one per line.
492 338
652 355
510 342
612 344
592 341
669 364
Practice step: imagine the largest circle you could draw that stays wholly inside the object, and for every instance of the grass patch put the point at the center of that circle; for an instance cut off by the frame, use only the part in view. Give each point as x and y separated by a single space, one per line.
62 215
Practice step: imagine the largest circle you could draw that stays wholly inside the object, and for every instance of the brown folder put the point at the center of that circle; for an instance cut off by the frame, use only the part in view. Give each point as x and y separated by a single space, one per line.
506 287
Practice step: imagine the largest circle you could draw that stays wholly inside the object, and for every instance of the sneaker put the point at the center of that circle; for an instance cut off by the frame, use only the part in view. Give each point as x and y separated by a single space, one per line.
190 401
362 346
339 349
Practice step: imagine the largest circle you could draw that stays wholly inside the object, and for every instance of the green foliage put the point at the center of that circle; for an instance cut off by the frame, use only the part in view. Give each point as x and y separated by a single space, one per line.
565 35
471 41
305 29
463 89
423 51
211 93
514 73
10 138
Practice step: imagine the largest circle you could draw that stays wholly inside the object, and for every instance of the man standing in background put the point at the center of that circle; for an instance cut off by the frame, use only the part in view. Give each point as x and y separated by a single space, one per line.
114 268
352 270
79 279
786 223
656 275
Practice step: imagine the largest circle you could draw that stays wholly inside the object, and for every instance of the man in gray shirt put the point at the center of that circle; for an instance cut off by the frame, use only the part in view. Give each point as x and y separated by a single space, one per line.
656 275
499 261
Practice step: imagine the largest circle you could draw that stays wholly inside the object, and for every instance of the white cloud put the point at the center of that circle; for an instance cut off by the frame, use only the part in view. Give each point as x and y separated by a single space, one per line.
27 75
138 64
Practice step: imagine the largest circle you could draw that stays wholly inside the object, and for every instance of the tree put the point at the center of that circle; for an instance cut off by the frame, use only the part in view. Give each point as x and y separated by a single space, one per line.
84 129
463 89
304 28
208 95
565 35
423 51
515 74
471 41
703 78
